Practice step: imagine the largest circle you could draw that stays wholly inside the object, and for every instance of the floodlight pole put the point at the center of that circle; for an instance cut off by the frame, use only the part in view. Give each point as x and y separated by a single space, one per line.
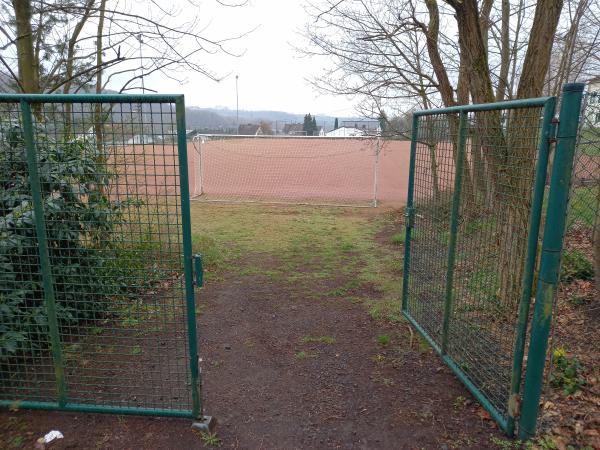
237 104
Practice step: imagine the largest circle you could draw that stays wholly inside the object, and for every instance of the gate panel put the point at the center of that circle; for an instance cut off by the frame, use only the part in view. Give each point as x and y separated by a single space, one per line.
433 173
474 212
114 307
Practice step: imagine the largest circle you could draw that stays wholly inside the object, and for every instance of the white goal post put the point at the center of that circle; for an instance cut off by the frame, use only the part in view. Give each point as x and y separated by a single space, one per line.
312 170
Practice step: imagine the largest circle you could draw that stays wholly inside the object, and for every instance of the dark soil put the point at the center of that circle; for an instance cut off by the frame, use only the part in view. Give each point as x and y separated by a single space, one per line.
272 384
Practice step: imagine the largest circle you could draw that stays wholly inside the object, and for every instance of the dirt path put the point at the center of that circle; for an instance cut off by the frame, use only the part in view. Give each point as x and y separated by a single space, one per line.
289 362
271 389
353 393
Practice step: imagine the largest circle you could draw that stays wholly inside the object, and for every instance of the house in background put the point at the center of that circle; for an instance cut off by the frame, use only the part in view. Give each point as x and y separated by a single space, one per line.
250 129
141 139
369 127
346 132
294 129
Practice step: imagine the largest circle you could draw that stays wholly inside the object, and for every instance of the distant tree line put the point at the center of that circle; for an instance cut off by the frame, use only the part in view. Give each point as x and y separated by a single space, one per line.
310 125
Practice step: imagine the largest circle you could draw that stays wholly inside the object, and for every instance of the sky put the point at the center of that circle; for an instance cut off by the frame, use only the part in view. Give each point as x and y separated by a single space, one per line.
272 74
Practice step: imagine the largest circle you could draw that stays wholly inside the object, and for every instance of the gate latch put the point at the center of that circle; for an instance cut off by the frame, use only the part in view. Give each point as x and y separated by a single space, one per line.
199 270
554 130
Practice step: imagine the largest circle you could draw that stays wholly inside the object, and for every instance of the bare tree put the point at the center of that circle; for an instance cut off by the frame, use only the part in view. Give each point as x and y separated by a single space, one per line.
71 43
375 48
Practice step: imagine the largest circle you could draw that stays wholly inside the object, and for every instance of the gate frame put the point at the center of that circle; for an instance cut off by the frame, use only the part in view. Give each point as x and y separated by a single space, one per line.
551 250
25 101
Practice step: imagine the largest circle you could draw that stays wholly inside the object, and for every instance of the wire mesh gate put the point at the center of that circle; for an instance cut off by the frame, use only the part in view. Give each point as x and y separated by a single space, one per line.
476 193
96 292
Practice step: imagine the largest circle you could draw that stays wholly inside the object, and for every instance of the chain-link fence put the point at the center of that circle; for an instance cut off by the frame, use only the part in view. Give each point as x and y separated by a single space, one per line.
583 223
96 296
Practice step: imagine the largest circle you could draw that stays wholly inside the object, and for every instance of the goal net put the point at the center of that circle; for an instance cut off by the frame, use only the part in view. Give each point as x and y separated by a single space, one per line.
286 169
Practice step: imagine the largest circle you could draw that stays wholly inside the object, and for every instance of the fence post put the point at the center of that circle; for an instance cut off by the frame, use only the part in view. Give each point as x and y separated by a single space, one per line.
375 171
460 153
409 212
551 252
46 269
188 258
548 132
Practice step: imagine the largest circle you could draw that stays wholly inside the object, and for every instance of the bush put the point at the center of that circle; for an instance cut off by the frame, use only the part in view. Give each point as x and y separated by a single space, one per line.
566 372
575 266
80 218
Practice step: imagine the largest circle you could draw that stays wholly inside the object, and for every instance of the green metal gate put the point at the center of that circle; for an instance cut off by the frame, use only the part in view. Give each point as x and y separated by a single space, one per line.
96 292
475 208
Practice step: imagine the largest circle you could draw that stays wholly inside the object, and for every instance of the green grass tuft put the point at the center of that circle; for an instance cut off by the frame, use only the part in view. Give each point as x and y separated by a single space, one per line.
323 339
384 340
397 238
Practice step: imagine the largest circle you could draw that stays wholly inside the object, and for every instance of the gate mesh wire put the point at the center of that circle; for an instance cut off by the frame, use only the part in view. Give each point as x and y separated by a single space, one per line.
495 203
110 186
584 203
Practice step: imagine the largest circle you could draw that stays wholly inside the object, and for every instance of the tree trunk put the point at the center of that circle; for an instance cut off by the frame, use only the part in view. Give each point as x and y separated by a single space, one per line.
596 243
28 65
70 62
432 35
98 115
504 52
541 38
566 60
507 142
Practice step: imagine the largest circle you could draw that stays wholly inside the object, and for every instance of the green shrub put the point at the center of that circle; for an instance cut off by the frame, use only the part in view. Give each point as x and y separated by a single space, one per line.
575 266
80 223
384 340
397 238
566 372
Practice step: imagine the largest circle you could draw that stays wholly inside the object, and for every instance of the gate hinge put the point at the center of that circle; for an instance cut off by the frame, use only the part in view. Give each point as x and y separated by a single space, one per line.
409 213
554 130
198 270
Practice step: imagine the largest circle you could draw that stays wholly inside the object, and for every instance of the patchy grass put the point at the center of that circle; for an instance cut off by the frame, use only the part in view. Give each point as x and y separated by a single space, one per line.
397 238
210 439
303 355
582 205
305 246
329 340
384 340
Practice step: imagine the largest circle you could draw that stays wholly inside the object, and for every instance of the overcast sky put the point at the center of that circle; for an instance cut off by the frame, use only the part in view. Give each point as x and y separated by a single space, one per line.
272 75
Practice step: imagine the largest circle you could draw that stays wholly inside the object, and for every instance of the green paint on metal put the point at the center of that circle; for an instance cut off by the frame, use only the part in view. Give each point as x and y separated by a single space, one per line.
462 139
507 105
96 409
472 387
457 265
550 259
89 98
187 258
409 212
548 130
40 229
103 224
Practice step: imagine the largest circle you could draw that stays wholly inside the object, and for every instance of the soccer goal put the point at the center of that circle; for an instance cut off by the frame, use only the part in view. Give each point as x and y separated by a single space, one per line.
286 169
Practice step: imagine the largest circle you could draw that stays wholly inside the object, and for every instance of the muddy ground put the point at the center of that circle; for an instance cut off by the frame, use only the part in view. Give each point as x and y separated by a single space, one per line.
297 362
273 384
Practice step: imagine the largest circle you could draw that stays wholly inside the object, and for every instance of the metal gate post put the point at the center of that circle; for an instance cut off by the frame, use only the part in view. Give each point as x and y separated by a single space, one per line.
40 230
409 211
460 153
551 253
532 248
187 257
375 171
